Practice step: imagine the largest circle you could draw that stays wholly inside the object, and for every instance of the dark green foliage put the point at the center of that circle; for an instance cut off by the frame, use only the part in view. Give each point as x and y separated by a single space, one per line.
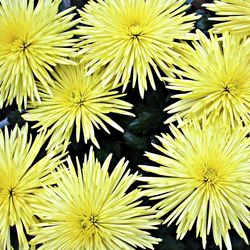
15 117
204 24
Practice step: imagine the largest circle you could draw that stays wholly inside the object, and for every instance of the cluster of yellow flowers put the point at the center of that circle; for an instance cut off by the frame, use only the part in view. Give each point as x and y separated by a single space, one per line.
66 73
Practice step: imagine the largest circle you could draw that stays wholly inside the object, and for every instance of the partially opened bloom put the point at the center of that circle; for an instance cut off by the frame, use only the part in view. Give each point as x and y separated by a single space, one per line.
234 16
215 80
133 38
33 39
203 180
77 100
22 175
92 209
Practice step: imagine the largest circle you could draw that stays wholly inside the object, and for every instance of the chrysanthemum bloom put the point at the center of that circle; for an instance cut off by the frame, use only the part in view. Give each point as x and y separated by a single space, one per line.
33 39
132 38
77 100
234 14
215 80
203 179
90 209
21 177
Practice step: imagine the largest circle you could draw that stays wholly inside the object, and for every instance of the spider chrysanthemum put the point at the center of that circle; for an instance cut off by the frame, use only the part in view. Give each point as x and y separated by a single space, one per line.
133 38
22 175
215 80
77 100
203 180
34 38
92 209
234 16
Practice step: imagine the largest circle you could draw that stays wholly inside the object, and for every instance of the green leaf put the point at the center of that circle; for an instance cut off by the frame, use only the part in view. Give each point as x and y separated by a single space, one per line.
170 243
61 7
204 24
15 117
147 118
135 141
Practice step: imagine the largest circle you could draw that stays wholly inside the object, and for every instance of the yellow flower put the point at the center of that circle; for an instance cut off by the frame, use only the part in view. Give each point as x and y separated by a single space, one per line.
215 80
234 14
77 100
22 175
32 40
203 179
90 209
133 38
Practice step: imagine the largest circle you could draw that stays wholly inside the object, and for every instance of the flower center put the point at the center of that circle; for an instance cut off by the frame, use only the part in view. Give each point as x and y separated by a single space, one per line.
7 193
77 98
18 43
11 192
135 30
209 176
228 89
89 224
